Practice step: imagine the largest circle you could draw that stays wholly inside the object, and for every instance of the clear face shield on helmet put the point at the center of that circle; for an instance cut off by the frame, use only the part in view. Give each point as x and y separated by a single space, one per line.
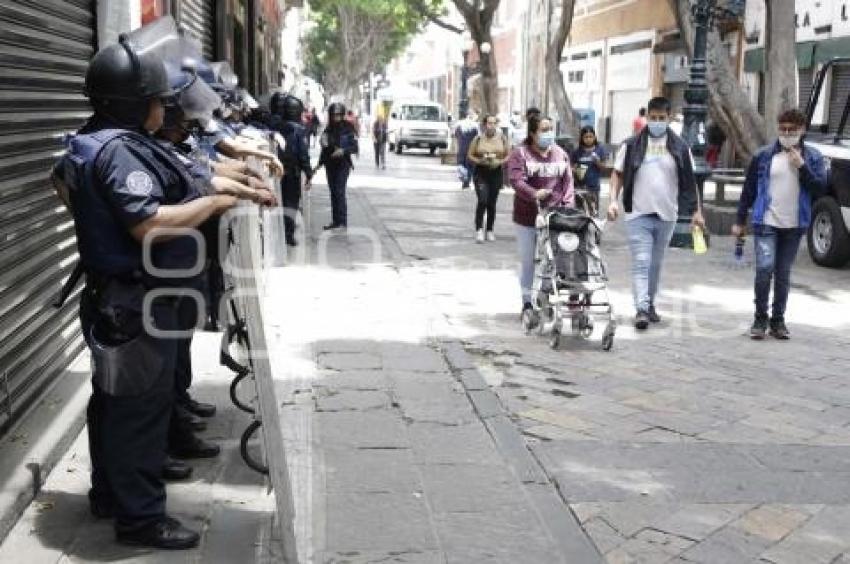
249 104
193 100
224 74
165 40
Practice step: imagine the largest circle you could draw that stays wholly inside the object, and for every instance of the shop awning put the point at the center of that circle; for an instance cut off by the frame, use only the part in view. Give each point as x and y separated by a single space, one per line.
808 54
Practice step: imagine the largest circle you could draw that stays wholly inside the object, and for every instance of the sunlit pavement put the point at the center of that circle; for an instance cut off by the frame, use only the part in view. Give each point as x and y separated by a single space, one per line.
688 443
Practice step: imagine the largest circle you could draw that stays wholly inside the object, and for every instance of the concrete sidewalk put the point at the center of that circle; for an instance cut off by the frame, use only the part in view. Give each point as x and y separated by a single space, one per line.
224 499
399 451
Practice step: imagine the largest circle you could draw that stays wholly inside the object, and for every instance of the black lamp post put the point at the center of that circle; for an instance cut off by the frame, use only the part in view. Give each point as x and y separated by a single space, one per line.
705 13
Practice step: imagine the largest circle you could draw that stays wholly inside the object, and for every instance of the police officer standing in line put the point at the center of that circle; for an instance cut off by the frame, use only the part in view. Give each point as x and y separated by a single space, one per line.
295 157
192 101
122 187
339 142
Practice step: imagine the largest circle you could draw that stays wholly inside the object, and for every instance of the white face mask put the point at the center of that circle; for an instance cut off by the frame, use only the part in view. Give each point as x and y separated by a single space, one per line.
788 141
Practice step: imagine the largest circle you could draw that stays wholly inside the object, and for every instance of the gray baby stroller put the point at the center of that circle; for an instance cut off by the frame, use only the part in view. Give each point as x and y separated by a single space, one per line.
570 280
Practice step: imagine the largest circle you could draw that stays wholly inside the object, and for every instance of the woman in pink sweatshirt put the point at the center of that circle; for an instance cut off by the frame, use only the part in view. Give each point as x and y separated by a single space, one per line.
542 177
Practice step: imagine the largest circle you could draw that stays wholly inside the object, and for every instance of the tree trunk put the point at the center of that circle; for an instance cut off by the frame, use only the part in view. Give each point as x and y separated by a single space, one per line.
489 78
729 105
554 76
780 70
478 20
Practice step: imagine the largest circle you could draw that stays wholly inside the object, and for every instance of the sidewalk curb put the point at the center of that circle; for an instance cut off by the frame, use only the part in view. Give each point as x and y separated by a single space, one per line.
33 447
554 513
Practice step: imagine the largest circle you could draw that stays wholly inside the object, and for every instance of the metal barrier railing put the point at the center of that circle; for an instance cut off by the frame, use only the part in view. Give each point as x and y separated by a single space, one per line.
254 242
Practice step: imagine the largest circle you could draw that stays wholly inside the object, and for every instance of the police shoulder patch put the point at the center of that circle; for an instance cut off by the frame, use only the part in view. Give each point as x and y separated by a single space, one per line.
139 183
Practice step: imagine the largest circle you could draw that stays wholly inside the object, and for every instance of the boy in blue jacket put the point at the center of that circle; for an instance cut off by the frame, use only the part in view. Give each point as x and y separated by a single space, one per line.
782 181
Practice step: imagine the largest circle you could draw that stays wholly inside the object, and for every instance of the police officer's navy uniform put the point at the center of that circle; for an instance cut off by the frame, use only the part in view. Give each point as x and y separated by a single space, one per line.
338 135
117 179
295 156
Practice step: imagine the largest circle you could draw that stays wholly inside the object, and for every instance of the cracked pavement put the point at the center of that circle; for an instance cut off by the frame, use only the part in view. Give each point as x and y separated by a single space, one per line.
688 443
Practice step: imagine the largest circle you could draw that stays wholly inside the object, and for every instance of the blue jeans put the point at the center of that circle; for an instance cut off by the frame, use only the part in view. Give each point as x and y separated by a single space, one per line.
649 236
775 251
526 238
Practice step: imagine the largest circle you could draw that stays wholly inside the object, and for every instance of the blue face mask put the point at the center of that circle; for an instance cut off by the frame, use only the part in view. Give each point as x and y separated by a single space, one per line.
657 128
545 140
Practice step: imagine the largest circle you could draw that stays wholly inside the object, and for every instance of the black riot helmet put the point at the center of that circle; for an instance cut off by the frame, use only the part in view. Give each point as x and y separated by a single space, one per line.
289 108
121 82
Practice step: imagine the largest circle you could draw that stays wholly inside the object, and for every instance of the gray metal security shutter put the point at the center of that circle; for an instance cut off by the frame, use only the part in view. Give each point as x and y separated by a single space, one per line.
805 86
198 16
838 94
45 46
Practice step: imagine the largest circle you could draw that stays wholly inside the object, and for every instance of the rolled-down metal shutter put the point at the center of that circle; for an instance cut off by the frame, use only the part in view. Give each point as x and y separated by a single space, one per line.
198 16
805 84
45 46
838 94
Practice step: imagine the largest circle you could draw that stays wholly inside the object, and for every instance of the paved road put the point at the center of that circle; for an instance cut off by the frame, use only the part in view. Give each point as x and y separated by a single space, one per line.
689 443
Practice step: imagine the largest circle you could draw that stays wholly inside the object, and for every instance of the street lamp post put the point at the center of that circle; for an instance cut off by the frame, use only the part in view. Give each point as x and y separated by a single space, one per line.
705 13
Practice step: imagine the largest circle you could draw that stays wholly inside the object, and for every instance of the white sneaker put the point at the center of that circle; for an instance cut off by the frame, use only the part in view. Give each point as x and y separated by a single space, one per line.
491 236
479 236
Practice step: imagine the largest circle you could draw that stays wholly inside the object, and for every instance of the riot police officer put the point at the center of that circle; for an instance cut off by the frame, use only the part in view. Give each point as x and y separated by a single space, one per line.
339 142
122 188
295 157
193 101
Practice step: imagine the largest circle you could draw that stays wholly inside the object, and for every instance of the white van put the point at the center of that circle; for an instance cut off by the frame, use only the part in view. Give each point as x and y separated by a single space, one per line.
421 124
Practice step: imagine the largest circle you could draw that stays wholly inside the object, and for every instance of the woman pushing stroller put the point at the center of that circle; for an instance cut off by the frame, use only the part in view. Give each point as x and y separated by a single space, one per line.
541 175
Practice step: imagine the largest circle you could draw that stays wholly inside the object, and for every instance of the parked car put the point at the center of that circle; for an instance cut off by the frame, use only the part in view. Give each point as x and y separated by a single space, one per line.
829 234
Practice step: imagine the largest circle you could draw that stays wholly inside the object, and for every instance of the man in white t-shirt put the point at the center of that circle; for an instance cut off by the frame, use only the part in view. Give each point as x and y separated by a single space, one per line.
654 172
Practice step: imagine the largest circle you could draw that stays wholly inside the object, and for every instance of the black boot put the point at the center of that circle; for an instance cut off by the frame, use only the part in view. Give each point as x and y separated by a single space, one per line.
174 470
192 447
197 408
166 534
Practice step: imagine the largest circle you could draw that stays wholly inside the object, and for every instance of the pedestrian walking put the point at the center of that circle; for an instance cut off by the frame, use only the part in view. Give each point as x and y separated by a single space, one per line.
639 122
520 132
122 186
379 141
465 131
541 176
339 142
315 124
588 164
654 172
488 154
782 181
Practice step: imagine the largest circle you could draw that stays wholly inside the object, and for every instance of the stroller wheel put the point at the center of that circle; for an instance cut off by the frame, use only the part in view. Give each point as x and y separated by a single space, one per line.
587 329
555 339
530 320
607 342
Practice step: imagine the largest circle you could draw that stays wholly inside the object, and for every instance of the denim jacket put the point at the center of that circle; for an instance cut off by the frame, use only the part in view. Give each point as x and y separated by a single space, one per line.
756 192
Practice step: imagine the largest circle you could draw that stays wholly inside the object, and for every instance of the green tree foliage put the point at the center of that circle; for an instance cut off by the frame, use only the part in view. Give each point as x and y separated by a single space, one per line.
351 38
